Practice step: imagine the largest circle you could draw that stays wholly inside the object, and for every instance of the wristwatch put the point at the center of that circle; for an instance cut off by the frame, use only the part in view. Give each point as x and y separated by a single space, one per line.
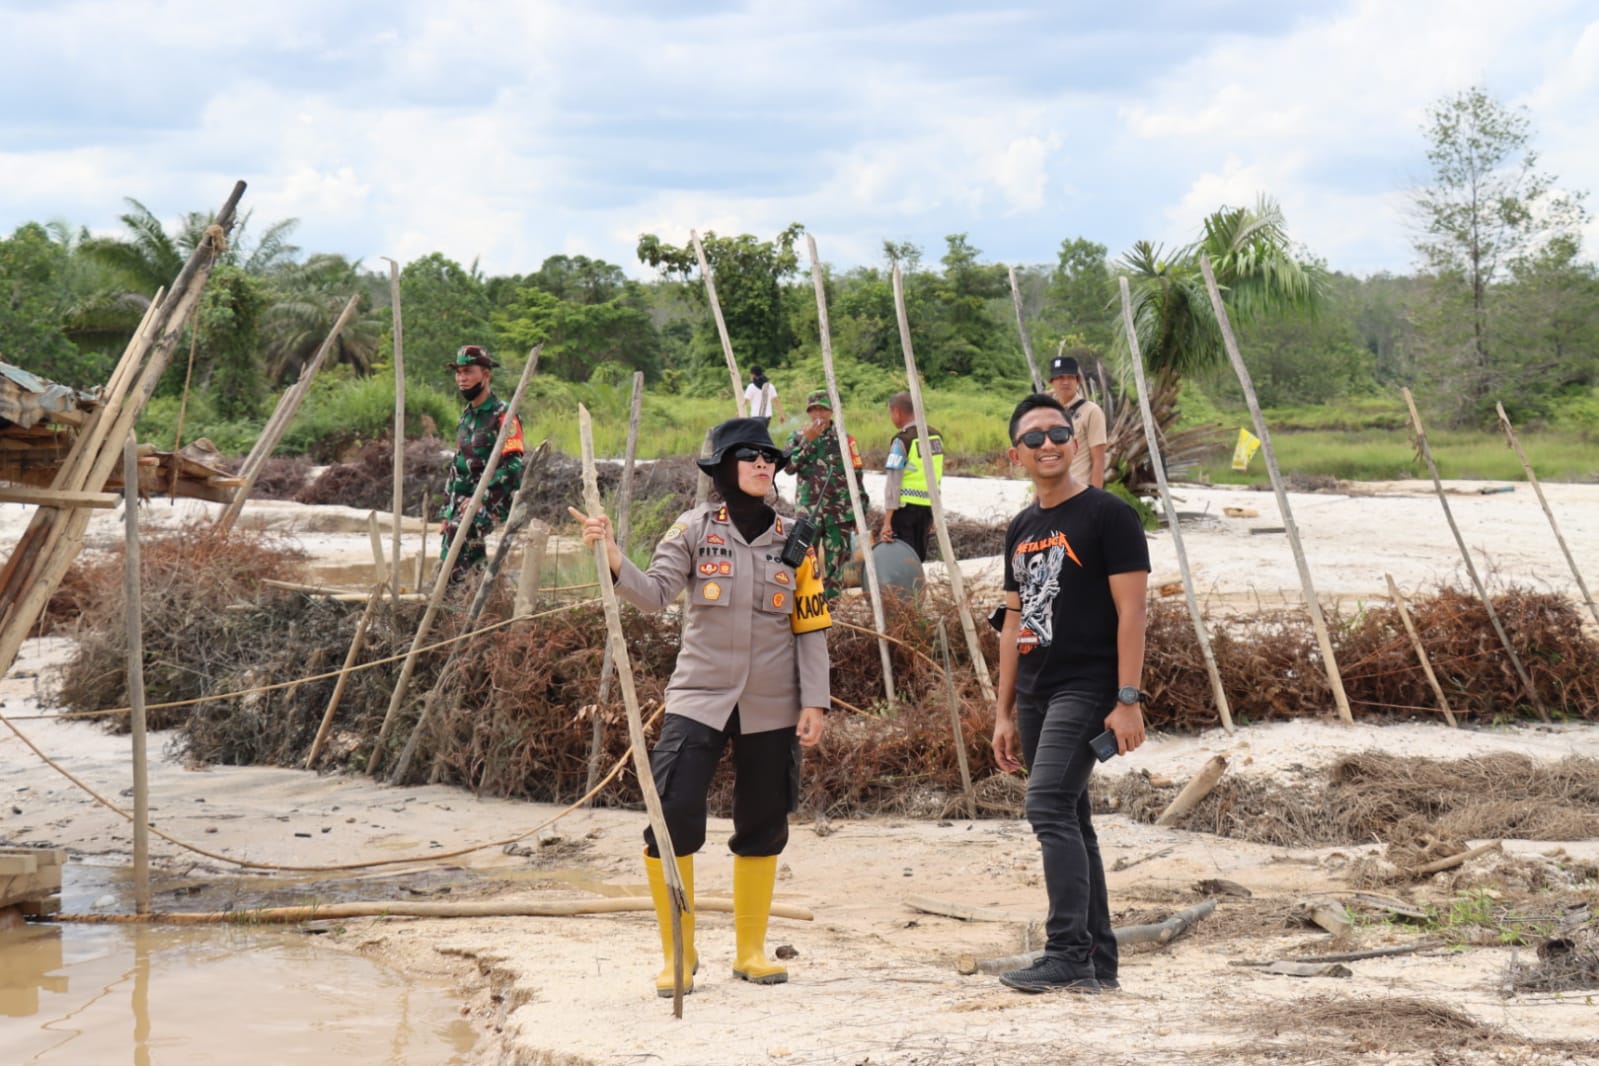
1129 694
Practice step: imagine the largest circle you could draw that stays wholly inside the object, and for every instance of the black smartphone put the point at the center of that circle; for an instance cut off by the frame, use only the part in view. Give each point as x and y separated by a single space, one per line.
1104 745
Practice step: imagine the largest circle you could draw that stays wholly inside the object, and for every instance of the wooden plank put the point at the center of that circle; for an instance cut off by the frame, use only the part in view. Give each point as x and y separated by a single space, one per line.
17 864
57 497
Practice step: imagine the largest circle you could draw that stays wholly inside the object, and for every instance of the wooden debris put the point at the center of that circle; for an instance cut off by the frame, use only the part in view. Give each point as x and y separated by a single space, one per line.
408 909
1309 969
1451 862
1328 914
1216 886
1194 791
1159 933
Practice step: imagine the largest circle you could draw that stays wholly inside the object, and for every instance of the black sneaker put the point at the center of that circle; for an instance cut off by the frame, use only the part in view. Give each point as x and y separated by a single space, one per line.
1108 984
1049 975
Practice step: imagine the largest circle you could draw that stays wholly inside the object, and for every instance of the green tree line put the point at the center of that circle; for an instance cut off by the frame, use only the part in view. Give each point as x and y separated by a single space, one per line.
1503 306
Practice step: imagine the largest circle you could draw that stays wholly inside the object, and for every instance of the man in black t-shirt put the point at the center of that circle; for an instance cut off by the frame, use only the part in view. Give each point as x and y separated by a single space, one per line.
1071 656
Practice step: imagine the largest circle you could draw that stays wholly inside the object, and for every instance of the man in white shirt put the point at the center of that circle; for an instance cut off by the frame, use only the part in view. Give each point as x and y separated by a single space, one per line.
760 397
1087 418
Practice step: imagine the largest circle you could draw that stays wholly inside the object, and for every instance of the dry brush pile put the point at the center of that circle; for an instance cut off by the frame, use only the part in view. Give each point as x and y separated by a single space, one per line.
516 714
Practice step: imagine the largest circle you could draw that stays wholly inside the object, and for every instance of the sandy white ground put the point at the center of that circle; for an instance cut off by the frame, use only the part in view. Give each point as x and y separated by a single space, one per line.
874 980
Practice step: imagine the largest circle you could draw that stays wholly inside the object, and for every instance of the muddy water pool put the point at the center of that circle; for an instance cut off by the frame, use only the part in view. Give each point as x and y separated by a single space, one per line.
85 995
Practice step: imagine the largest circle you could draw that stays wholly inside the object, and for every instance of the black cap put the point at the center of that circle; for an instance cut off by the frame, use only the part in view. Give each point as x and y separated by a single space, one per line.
472 355
1063 364
736 432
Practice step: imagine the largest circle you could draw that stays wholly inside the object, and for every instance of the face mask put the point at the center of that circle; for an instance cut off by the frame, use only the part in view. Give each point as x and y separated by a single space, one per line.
471 395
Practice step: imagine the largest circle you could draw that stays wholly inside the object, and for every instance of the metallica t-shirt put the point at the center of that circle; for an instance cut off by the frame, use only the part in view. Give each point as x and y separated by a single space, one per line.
1059 559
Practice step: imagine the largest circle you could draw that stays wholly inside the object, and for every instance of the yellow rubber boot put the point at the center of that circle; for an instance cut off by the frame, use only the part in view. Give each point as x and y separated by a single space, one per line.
663 918
753 879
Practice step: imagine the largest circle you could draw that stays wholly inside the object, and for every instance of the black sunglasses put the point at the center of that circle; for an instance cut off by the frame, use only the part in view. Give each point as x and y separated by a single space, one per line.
1033 438
749 455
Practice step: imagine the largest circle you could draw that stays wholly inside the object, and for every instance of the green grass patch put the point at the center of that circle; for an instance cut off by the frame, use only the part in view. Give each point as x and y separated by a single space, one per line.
1378 455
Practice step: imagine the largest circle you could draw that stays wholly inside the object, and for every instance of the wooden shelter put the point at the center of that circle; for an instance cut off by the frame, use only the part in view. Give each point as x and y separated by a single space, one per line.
39 420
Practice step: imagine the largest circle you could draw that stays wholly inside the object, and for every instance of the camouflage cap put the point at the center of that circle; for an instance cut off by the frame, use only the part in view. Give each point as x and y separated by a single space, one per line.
818 399
472 355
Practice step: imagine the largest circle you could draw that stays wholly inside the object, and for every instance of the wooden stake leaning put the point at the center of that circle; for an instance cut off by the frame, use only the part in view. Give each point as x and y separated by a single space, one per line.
624 520
1021 327
1510 435
635 723
946 547
350 658
1317 621
1465 555
267 443
399 420
1151 436
874 590
135 620
955 724
1421 650
721 326
442 581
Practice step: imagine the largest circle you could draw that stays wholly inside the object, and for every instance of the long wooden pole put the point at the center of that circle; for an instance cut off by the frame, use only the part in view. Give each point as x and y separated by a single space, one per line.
946 547
281 418
399 419
1510 435
624 520
956 729
635 721
721 325
1421 649
1152 436
1021 327
39 562
873 589
1465 555
442 580
183 406
1317 621
135 622
350 657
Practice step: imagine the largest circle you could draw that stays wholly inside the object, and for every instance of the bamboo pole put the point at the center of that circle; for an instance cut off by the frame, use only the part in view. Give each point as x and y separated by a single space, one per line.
955 724
721 325
946 547
1152 436
399 418
635 722
41 558
624 519
183 407
379 565
1510 434
527 582
554 908
442 580
1021 327
1196 789
350 658
1465 555
1421 651
134 613
1317 621
874 590
278 424
518 517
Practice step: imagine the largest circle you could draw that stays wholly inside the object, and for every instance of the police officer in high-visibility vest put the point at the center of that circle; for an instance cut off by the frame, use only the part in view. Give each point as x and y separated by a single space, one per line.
907 506
475 434
752 673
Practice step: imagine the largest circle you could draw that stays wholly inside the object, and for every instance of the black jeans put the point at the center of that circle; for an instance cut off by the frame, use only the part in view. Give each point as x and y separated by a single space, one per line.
765 784
912 523
1055 729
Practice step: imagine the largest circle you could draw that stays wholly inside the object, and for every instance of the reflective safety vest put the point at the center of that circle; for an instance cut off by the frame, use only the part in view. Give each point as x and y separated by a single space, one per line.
913 489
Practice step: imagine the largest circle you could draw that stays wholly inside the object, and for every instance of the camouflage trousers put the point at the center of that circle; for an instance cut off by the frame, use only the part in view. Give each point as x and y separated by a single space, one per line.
474 549
833 542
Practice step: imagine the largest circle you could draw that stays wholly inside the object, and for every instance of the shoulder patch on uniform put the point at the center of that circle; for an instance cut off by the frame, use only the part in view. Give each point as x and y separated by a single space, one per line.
675 531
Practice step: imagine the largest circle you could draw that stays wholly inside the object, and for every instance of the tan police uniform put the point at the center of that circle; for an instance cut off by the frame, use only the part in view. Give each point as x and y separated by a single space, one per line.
756 639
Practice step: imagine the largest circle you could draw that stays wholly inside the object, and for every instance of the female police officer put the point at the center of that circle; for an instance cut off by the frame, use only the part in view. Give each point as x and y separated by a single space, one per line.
753 669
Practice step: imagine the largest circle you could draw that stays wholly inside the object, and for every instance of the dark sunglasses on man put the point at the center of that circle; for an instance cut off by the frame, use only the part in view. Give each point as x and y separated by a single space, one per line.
749 455
1034 438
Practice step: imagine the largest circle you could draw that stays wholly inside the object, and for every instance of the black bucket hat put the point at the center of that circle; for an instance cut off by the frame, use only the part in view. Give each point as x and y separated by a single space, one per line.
738 432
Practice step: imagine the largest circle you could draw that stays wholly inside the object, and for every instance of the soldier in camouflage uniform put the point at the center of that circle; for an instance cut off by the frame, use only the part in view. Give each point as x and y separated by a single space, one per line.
823 493
475 434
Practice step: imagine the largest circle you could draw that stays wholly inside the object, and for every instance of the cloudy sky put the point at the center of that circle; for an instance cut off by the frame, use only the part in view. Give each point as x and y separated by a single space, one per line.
508 130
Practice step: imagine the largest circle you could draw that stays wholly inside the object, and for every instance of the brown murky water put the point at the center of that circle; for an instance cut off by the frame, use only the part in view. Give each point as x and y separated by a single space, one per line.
86 995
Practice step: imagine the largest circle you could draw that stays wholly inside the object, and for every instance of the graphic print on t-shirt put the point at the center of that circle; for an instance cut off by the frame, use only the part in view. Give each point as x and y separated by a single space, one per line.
1036 565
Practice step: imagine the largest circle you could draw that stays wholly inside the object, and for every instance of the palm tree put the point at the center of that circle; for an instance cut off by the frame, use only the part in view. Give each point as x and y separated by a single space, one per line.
1259 276
308 298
